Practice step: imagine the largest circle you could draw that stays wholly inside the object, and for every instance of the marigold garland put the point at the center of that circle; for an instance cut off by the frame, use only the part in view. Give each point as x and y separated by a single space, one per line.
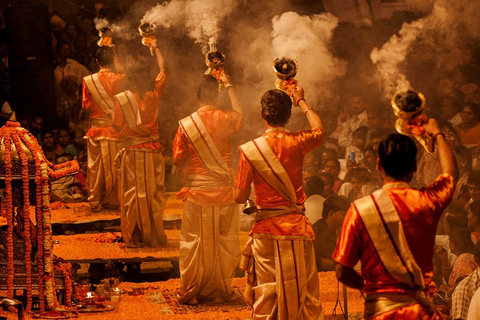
26 219
9 216
20 137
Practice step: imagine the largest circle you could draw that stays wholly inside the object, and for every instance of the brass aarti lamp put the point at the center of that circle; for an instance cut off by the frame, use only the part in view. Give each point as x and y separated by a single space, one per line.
408 107
285 70
106 35
215 61
147 31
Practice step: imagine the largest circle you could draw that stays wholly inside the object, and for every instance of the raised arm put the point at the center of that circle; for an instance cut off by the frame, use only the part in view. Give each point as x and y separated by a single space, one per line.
312 117
158 55
236 104
447 158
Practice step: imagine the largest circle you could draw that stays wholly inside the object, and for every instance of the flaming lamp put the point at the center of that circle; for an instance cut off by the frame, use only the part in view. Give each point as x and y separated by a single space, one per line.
408 107
285 69
147 31
105 34
215 61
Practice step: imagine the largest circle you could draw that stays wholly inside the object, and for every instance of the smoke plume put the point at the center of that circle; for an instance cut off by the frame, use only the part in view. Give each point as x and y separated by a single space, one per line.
204 18
307 39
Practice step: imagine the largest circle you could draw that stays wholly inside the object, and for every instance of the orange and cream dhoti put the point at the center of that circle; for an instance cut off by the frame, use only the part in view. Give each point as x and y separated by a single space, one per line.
142 181
280 258
209 246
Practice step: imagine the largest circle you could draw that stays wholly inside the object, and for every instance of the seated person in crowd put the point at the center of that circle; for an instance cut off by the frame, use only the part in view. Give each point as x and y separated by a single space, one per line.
327 154
314 189
469 129
358 144
464 162
329 182
444 258
326 231
463 293
357 118
50 149
369 162
332 166
68 188
65 143
451 105
462 246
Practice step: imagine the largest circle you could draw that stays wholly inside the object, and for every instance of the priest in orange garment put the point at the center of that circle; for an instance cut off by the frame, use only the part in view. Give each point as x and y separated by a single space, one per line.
104 142
202 150
142 168
280 257
392 233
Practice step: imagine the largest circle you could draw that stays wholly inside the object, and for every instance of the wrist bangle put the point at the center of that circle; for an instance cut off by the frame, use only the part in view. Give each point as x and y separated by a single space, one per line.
438 134
305 112
298 101
228 85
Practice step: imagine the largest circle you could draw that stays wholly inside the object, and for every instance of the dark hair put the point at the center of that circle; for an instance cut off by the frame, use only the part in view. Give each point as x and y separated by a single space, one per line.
475 208
206 89
360 173
314 185
474 177
276 107
105 56
397 155
335 203
329 177
48 131
462 239
330 151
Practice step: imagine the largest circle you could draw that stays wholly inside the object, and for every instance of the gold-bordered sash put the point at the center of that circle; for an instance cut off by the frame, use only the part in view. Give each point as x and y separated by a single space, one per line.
205 148
99 94
266 163
386 232
131 111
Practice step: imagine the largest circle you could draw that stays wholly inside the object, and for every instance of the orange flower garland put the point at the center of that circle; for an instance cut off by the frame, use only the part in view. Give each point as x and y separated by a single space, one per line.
9 216
65 268
13 132
26 219
38 156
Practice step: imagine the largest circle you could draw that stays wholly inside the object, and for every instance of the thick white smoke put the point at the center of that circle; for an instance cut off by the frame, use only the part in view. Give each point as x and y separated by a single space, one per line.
389 59
166 14
307 39
204 18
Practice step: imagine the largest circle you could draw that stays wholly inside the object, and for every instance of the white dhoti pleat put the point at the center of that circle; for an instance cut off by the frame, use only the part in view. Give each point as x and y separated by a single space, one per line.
209 251
142 197
102 174
285 280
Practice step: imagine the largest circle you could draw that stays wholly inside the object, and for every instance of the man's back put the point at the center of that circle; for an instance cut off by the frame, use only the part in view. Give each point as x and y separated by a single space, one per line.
419 212
220 125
